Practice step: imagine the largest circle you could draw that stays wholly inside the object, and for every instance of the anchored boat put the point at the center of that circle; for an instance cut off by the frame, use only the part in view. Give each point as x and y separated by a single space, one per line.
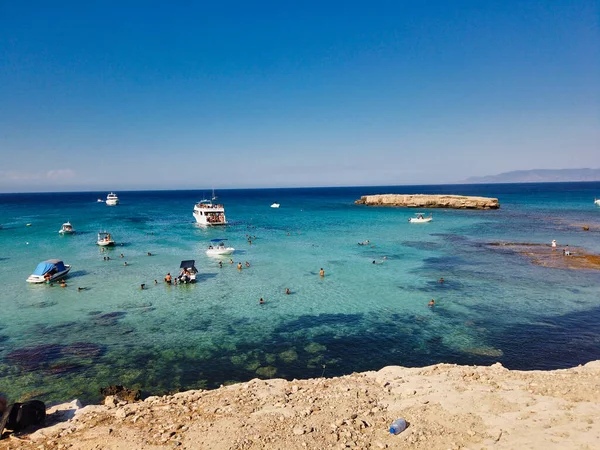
218 248
420 218
49 270
105 239
208 214
66 228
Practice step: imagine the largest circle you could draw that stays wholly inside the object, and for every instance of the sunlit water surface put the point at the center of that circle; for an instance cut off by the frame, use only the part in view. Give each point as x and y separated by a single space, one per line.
60 343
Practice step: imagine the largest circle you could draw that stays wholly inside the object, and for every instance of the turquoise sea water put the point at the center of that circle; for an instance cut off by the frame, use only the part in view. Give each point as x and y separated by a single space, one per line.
60 343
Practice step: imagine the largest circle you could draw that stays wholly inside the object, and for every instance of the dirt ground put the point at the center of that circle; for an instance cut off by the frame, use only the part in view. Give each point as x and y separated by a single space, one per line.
446 407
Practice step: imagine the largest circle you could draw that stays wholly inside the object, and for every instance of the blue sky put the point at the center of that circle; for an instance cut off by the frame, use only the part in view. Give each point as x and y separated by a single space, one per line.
141 95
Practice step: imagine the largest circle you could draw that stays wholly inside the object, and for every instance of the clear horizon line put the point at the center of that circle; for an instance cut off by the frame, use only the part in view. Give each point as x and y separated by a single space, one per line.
456 183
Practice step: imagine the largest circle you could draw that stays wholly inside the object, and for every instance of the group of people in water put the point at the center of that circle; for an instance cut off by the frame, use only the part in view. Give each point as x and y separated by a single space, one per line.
431 303
185 276
261 301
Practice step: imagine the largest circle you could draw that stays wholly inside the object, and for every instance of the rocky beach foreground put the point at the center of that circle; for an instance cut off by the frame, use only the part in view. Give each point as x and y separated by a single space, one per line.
429 201
446 407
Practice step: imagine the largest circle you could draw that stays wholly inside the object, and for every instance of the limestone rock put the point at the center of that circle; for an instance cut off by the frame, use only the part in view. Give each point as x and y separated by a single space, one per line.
429 201
121 393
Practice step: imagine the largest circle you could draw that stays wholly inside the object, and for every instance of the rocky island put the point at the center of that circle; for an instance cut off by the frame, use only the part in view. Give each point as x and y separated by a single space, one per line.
429 201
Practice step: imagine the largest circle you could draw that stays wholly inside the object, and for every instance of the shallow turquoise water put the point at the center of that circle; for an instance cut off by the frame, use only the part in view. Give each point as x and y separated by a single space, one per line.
494 306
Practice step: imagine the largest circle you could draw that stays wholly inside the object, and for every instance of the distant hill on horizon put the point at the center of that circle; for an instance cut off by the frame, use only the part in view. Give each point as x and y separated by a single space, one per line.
538 176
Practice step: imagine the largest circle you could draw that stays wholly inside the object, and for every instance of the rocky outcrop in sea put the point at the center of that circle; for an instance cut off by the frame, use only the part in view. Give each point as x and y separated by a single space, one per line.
429 201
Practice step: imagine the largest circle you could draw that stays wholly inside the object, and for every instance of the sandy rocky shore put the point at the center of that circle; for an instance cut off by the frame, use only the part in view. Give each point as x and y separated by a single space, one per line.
447 407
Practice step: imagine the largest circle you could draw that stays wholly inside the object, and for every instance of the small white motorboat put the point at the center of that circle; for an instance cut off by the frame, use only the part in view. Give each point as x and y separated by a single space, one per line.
105 239
100 200
112 199
420 218
188 272
66 228
275 205
48 271
597 201
218 248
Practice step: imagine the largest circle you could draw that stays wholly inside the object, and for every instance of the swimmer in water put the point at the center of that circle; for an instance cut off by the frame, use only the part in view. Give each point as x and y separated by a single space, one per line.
431 304
322 272
261 301
287 291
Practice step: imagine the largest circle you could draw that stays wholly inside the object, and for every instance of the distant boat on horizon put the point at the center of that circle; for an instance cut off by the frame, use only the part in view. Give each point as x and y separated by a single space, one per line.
112 199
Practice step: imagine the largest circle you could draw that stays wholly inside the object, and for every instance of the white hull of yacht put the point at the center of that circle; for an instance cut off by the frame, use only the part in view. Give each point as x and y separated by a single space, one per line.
112 199
209 215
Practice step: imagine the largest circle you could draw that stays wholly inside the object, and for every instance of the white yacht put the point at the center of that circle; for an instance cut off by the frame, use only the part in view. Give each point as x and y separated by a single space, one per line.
597 201
66 228
112 199
420 218
105 239
208 214
275 205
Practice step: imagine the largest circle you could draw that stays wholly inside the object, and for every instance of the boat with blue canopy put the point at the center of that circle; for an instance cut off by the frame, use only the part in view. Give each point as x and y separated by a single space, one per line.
49 270
217 247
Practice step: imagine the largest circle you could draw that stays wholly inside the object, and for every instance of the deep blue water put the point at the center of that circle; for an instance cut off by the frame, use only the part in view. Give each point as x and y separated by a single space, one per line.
61 343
